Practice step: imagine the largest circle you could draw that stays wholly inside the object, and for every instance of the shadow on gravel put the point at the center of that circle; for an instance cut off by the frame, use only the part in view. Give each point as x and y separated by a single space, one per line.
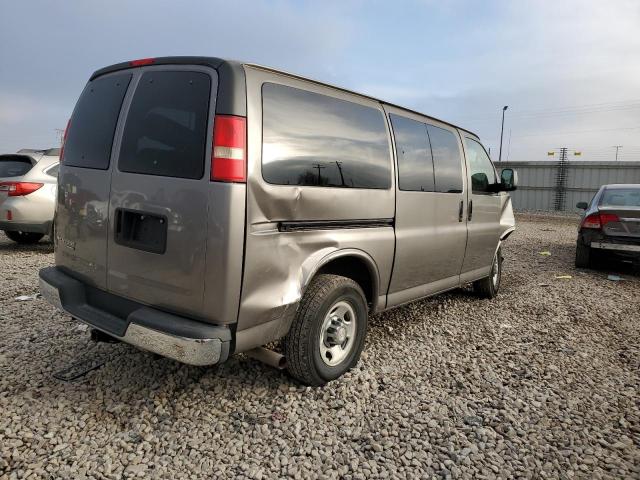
127 368
41 247
615 267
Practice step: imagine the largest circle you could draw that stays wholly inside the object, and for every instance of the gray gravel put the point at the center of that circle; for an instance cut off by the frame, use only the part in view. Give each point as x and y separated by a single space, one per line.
542 382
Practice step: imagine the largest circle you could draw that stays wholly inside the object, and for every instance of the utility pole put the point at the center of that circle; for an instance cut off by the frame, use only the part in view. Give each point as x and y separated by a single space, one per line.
60 134
617 147
504 109
319 167
561 181
339 164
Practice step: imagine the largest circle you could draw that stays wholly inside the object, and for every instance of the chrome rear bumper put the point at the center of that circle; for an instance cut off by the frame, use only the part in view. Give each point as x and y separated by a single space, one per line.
183 339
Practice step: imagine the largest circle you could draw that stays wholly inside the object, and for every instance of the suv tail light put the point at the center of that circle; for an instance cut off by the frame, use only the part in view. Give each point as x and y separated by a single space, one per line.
18 189
229 154
599 220
64 139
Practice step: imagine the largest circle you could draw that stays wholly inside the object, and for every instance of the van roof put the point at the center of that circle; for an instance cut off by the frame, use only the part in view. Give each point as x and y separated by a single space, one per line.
234 65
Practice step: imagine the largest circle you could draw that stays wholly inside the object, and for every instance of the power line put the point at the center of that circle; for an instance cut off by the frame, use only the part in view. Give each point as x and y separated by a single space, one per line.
587 108
576 132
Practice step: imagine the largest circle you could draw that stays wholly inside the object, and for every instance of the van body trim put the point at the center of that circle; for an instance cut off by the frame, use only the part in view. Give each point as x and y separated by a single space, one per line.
300 226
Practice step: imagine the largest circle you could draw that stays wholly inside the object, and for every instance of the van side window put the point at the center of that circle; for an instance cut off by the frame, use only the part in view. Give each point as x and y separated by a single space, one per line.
93 124
480 167
317 140
166 129
446 160
415 164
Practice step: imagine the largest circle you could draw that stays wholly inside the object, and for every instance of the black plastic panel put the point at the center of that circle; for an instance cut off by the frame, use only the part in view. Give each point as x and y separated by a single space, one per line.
141 230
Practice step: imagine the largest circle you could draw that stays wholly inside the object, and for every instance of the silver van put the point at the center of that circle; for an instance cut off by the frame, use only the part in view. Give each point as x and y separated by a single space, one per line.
208 207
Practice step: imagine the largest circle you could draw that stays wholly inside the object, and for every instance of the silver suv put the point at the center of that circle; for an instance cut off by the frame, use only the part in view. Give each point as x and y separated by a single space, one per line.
28 183
208 207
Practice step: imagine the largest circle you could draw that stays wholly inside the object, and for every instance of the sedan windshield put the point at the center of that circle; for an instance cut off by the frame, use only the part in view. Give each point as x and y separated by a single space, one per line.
621 197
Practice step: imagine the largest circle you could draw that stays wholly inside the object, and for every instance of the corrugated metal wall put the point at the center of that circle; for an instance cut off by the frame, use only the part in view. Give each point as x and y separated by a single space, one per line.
537 181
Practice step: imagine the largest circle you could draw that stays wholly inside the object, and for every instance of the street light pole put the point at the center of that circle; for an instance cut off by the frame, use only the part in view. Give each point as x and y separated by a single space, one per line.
504 109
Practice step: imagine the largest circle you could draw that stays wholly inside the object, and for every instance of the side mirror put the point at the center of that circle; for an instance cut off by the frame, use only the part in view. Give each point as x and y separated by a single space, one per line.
508 180
582 205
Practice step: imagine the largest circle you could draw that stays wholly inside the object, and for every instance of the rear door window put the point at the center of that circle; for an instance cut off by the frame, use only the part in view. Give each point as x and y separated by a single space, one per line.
446 160
415 165
93 124
13 166
317 140
166 128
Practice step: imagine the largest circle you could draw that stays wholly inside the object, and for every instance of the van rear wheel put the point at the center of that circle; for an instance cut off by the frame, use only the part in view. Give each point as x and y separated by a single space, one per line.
327 334
488 287
25 238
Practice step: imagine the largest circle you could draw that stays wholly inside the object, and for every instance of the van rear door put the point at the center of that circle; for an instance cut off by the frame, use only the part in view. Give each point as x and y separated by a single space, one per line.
159 189
84 179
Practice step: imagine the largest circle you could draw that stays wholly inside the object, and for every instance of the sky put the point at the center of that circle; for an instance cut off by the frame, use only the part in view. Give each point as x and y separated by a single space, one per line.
568 70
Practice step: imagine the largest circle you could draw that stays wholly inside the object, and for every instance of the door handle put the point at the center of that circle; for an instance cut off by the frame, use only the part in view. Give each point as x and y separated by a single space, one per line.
460 210
470 213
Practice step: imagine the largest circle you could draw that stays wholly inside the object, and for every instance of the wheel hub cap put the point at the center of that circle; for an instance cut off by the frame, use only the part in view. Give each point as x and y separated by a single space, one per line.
337 335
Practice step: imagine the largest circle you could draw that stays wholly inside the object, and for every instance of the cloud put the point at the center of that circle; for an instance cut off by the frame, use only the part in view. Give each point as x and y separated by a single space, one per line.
460 60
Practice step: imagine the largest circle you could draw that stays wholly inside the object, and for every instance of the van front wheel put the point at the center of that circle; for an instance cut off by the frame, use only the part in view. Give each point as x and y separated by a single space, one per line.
327 334
488 287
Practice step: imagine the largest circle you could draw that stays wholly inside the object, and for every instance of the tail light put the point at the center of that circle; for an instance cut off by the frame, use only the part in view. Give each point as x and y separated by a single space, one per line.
64 139
599 220
19 189
229 154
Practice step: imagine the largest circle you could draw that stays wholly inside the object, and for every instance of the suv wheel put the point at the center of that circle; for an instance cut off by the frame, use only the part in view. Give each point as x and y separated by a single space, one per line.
327 334
583 256
24 237
488 287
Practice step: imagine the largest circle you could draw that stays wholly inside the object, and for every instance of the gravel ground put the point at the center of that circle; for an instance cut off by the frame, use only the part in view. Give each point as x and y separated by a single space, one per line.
542 382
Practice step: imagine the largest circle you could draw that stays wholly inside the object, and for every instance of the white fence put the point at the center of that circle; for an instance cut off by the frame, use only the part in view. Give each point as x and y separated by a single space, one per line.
559 186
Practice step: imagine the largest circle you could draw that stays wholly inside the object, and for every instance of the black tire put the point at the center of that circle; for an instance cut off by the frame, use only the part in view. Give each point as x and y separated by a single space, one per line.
25 238
488 287
302 345
583 256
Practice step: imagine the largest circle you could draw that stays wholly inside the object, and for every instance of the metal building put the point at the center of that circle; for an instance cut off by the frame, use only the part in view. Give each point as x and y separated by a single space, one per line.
560 185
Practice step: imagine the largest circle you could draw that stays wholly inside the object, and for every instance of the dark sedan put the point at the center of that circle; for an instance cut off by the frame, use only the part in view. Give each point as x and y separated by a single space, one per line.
610 225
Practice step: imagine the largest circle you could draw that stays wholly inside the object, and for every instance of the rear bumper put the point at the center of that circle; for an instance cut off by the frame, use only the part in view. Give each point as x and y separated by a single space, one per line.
44 228
619 247
183 339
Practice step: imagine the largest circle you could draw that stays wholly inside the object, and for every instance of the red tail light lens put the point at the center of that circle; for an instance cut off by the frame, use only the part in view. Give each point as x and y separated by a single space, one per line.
142 61
18 189
64 139
229 155
599 220
607 218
